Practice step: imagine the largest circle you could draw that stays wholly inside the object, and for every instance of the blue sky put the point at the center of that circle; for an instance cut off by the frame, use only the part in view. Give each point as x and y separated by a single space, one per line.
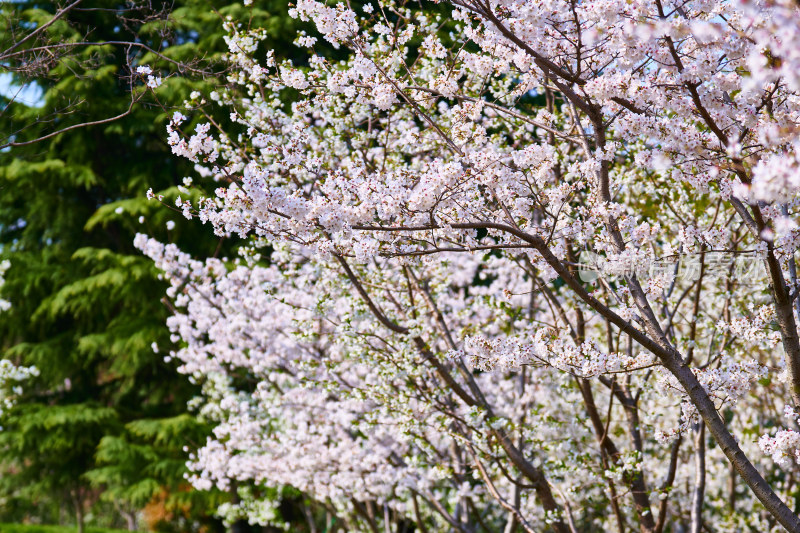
31 94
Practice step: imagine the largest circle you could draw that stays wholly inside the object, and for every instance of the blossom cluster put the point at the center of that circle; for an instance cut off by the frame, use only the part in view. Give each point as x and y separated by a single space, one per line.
5 305
11 375
784 447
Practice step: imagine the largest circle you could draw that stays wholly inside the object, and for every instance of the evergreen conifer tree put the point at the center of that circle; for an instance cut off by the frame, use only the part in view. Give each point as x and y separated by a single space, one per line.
101 432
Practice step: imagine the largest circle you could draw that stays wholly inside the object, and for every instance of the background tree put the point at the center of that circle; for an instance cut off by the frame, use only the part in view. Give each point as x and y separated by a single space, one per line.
101 432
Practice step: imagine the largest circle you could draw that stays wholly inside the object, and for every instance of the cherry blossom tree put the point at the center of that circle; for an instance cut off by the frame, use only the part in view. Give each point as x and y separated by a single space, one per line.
413 333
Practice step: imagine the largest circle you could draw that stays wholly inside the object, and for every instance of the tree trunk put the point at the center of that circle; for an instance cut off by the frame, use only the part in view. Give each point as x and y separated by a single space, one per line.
130 520
79 513
699 477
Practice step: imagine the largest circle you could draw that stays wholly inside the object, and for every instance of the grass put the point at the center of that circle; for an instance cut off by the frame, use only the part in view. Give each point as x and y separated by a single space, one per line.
20 528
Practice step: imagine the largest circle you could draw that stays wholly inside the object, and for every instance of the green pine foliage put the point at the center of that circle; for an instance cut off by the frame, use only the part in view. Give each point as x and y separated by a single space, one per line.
138 462
103 430
20 528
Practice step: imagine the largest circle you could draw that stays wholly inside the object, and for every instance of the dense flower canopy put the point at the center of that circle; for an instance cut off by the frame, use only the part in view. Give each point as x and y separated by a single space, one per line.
409 333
